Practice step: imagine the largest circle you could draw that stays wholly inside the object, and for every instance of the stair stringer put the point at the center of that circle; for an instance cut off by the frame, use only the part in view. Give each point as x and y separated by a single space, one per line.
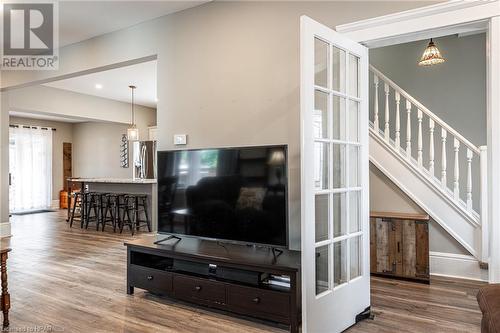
424 193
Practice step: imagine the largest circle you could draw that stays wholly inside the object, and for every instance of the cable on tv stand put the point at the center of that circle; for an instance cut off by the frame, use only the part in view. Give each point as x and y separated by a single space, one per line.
167 239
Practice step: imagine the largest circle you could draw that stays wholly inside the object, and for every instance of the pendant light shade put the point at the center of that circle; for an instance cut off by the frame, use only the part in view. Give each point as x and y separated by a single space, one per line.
431 56
133 134
133 131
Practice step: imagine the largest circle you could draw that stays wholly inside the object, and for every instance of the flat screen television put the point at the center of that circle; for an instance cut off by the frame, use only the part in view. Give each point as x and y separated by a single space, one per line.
229 194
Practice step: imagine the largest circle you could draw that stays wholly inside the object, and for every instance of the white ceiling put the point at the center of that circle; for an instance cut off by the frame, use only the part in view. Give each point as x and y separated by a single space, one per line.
81 20
115 83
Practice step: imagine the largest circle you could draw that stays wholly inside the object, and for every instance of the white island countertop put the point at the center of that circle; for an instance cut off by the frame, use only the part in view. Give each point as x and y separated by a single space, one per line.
114 180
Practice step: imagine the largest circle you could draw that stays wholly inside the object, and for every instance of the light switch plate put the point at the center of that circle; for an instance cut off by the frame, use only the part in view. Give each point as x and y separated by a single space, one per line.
180 139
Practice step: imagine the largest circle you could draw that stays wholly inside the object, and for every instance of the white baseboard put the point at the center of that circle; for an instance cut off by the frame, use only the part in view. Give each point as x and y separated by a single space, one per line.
5 229
55 204
457 266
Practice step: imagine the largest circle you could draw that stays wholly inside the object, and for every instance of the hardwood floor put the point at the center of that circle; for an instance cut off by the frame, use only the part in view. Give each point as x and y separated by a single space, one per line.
74 280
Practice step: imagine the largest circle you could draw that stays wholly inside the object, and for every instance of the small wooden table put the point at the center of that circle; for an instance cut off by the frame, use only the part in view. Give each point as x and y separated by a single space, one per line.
5 297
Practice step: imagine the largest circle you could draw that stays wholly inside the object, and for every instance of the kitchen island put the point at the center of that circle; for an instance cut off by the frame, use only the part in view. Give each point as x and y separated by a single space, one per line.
118 185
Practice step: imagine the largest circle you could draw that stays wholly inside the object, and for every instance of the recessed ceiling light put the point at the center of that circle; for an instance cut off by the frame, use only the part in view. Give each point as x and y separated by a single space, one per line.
98 86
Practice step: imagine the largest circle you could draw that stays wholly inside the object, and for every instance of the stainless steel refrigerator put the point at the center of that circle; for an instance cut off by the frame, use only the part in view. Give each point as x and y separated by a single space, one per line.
144 159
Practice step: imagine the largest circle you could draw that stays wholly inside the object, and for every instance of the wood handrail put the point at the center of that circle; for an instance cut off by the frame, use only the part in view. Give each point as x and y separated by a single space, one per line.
425 110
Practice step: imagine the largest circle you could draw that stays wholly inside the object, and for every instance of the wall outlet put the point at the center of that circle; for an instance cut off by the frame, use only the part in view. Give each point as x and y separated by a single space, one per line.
180 139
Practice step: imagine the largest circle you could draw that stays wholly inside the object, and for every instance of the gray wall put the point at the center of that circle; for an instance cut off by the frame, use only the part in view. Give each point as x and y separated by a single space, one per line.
244 59
455 91
228 72
63 133
96 149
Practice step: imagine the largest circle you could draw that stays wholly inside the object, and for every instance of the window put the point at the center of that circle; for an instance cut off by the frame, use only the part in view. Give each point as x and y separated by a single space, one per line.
30 166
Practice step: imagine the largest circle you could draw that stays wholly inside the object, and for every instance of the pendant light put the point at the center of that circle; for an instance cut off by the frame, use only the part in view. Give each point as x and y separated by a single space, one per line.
431 55
133 131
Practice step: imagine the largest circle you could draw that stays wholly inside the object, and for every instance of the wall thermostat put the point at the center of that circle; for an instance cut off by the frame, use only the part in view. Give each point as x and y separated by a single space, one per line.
180 139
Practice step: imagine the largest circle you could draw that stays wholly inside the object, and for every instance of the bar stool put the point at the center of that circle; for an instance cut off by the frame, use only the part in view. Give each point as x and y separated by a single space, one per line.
78 204
93 206
111 212
141 205
133 205
128 206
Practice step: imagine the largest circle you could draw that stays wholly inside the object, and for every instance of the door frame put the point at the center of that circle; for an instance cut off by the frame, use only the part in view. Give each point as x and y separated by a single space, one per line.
440 20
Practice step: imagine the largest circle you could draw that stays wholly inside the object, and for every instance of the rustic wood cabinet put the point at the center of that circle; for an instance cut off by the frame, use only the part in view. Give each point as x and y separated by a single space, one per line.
399 245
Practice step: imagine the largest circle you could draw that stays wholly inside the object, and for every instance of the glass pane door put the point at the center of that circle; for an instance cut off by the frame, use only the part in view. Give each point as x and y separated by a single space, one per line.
336 161
334 177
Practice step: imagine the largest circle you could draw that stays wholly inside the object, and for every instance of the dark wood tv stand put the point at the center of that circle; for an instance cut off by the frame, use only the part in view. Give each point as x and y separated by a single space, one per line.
224 276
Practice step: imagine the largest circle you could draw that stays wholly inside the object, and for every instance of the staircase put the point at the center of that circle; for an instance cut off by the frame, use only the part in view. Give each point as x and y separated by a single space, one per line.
432 163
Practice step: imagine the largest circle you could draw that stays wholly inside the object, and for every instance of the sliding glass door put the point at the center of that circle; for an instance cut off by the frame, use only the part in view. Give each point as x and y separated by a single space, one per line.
30 166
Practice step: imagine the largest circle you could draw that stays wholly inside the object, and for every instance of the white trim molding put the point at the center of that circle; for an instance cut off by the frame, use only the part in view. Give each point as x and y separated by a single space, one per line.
5 230
436 20
493 128
456 266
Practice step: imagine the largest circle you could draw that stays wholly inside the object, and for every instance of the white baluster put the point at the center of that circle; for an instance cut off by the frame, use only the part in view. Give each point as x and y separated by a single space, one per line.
408 129
419 138
386 127
443 157
397 142
469 180
375 106
431 146
456 171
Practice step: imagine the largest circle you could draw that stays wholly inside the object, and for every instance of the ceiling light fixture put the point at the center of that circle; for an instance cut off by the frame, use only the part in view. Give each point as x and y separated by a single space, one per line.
431 55
133 131
98 86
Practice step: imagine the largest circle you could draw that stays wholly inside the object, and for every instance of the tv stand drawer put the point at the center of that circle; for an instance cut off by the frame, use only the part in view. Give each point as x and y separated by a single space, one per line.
258 302
150 279
198 289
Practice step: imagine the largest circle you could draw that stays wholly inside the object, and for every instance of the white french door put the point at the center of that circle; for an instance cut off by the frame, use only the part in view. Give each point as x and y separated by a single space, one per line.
334 179
30 166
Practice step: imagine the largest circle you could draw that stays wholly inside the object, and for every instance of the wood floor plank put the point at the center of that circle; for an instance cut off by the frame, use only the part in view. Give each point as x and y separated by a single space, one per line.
74 279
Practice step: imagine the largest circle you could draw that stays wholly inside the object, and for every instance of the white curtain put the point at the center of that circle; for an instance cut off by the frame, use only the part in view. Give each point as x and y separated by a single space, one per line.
31 168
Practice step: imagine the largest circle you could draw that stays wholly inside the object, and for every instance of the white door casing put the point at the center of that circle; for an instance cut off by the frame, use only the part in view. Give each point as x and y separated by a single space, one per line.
334 179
